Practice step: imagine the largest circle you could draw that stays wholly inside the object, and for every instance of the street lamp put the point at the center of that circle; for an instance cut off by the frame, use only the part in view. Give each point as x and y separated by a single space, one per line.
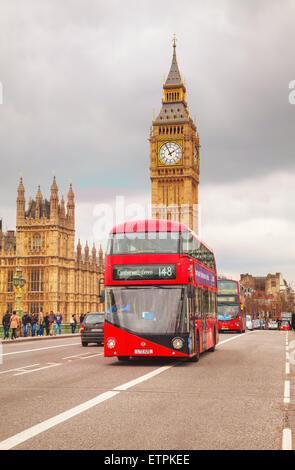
101 292
18 282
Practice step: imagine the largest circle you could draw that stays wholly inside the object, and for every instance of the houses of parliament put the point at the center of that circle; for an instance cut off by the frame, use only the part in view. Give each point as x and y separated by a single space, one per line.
63 279
57 277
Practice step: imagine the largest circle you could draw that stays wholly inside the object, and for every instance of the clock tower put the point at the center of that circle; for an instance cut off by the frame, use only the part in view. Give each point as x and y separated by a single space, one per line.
174 155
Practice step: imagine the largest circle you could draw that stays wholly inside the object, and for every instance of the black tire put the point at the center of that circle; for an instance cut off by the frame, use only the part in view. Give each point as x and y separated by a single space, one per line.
84 343
123 358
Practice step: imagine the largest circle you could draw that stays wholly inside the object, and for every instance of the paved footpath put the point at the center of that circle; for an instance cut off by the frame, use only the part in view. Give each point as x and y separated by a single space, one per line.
64 396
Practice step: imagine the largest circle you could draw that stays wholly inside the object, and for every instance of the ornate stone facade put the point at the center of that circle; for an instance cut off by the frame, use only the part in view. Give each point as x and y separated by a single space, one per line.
43 246
175 155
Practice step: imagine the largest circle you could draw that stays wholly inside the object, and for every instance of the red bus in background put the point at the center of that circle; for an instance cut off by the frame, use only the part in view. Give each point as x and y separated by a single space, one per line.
231 306
160 292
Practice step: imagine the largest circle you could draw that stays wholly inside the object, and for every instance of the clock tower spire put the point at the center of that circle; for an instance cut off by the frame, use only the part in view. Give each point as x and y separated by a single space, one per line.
174 155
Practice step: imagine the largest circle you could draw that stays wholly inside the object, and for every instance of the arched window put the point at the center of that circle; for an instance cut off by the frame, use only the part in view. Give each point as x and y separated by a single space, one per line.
37 242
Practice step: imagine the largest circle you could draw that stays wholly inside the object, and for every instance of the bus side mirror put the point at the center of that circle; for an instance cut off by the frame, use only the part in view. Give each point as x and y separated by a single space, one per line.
102 297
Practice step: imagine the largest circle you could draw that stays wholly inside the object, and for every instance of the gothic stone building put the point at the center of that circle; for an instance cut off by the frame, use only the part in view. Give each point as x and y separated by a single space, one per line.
175 155
43 246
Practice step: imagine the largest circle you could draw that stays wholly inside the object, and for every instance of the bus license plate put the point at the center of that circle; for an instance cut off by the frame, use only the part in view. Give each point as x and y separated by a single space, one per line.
143 351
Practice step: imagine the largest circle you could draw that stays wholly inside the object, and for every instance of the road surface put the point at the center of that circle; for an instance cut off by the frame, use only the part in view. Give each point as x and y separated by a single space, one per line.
59 395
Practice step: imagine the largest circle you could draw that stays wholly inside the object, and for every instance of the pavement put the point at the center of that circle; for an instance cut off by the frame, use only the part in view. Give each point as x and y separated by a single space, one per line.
65 396
22 339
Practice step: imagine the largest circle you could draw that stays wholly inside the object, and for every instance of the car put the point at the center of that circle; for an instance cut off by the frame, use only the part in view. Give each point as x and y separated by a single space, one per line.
256 324
273 325
249 323
285 325
92 328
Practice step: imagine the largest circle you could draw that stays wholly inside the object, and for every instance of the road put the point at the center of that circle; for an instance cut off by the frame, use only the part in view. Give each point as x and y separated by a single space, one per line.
58 395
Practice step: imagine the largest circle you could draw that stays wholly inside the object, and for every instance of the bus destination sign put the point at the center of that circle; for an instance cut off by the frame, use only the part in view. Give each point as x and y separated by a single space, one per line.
145 272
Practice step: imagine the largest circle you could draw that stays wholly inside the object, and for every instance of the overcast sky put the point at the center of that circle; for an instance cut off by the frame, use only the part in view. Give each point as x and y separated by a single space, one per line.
81 79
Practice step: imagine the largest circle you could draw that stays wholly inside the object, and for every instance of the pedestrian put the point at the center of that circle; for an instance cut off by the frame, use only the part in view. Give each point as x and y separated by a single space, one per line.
26 322
58 322
51 322
6 324
34 321
73 323
82 316
40 330
14 324
47 324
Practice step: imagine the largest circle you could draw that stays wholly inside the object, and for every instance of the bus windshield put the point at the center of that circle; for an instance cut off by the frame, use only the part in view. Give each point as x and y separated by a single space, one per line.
143 243
227 287
228 312
150 309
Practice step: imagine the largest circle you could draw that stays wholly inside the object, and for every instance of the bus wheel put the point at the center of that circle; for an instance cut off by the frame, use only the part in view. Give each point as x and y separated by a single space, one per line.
123 358
197 356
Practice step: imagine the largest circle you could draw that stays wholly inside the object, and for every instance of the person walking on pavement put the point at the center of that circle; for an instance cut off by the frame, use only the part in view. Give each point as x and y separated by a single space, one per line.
47 324
34 320
58 322
6 324
25 322
51 322
14 324
73 323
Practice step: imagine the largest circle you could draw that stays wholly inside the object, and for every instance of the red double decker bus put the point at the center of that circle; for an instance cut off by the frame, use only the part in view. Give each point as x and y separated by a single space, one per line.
160 292
231 306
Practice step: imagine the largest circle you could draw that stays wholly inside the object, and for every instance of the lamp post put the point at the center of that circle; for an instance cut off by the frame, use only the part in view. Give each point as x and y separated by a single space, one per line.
101 292
18 282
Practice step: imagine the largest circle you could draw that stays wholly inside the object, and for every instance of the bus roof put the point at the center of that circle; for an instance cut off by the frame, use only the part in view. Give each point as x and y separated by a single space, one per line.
154 225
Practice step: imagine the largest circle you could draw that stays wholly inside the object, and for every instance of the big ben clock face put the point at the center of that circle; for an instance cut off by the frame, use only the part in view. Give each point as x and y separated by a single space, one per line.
170 153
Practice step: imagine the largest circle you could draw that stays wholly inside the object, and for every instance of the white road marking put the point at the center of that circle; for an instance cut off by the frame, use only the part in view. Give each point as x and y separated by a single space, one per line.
93 355
141 379
39 368
287 368
40 349
77 355
50 423
287 391
18 369
287 439
231 339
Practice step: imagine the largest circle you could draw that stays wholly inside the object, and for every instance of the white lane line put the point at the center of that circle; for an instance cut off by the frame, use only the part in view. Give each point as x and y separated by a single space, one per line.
134 382
93 355
40 349
18 369
287 368
23 436
77 355
287 391
50 423
35 370
231 339
287 439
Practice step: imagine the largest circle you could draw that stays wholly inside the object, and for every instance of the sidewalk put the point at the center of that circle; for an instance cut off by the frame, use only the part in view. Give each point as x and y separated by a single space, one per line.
36 338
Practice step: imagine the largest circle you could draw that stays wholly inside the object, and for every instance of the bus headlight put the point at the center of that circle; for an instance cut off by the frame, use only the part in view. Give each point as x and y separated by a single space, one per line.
177 343
111 343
